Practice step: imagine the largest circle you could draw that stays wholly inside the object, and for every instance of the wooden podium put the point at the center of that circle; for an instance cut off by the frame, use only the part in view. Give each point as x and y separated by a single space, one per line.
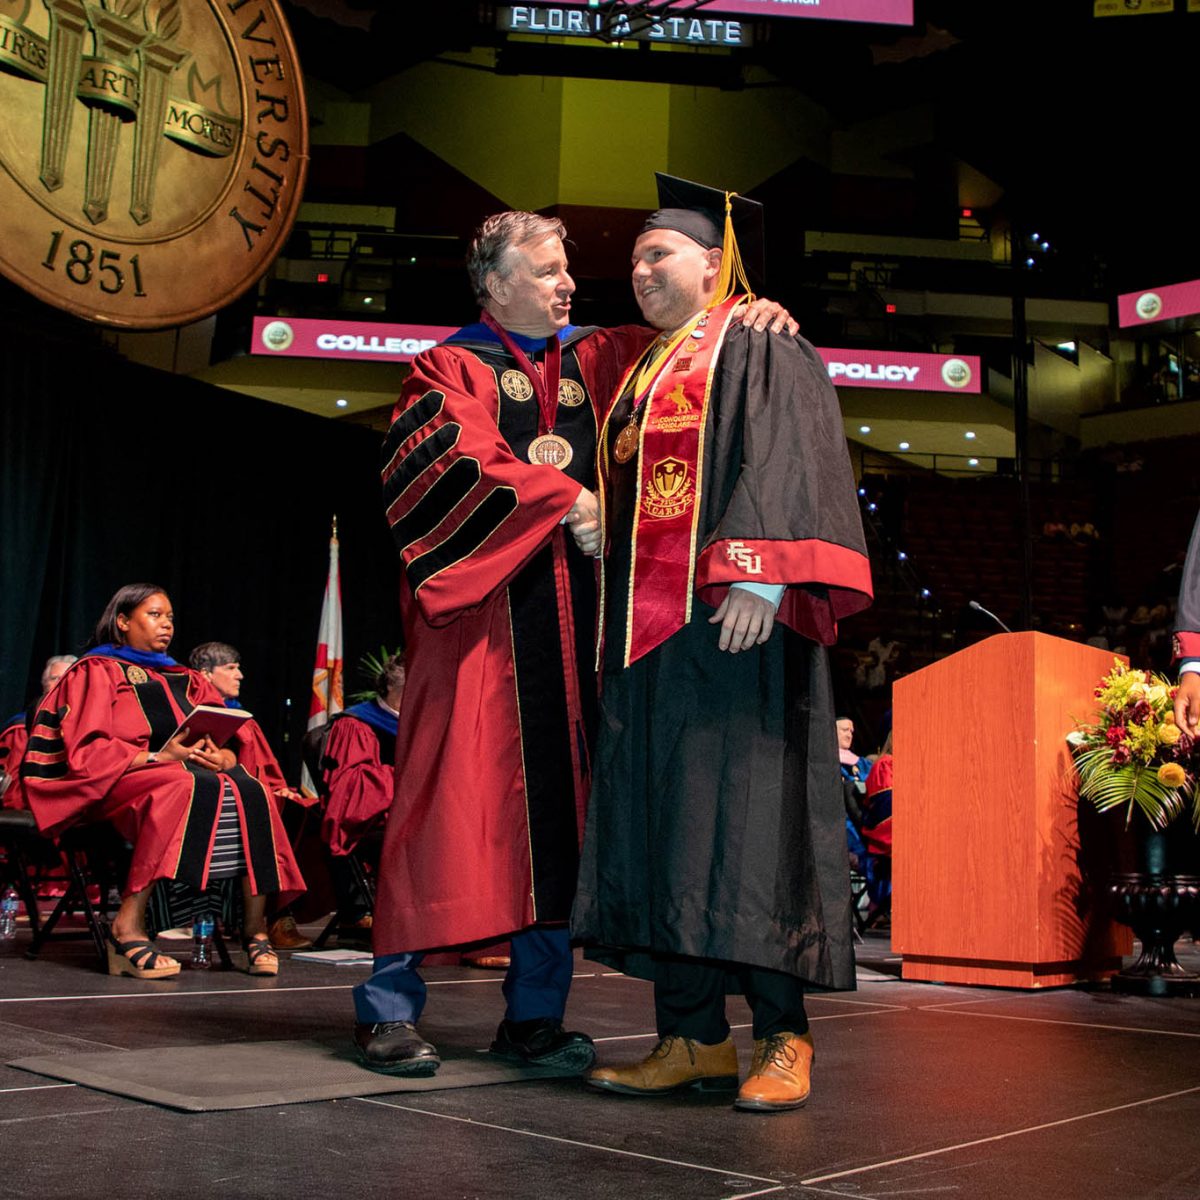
986 870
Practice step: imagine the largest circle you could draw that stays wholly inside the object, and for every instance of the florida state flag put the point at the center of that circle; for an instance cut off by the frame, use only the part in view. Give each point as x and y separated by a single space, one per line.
327 670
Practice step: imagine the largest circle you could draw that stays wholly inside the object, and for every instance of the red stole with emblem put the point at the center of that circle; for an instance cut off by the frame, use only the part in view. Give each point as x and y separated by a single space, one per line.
670 483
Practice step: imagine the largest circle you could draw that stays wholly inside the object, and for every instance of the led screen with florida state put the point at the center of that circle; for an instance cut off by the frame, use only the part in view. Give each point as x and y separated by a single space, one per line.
874 12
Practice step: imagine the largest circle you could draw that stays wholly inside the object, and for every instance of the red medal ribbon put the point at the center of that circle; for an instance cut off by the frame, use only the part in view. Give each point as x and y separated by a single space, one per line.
545 388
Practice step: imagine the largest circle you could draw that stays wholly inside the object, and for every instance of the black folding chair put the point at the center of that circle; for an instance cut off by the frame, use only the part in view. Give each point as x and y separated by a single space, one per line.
18 836
93 855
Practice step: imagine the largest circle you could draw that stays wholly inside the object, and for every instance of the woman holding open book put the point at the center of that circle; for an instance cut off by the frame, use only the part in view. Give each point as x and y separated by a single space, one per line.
132 737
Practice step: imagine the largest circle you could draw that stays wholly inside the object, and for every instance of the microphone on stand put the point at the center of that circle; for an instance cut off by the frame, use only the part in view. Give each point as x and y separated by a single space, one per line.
988 613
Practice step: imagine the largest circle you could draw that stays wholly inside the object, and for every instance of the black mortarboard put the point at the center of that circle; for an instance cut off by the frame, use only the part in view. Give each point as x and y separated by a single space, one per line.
713 217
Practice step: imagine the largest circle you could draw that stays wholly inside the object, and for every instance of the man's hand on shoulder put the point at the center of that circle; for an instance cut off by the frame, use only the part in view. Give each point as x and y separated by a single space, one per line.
746 620
763 313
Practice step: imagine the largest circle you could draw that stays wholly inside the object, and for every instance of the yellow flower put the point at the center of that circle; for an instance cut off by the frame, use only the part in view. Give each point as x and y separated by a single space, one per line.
1157 694
1169 734
1171 775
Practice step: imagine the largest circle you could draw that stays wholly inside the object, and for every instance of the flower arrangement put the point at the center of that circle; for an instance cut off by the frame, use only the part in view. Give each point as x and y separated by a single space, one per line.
1135 755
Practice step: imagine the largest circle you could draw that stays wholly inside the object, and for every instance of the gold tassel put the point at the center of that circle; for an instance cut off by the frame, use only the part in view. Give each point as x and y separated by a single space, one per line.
733 273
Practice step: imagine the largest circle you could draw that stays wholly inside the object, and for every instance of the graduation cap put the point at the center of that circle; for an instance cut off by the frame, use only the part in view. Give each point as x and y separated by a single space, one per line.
713 218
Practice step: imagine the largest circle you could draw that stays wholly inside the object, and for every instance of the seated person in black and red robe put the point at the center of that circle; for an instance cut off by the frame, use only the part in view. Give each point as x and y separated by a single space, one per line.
221 664
104 747
357 782
358 764
14 735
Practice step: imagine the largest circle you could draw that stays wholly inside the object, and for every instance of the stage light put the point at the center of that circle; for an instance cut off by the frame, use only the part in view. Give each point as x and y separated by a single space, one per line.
341 402
872 506
862 491
903 445
925 593
902 556
1045 246
1029 262
322 276
972 462
1069 347
864 429
368 299
889 308
969 435
966 212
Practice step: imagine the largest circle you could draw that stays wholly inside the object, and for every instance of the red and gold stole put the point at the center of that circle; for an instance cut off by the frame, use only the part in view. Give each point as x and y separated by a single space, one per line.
670 482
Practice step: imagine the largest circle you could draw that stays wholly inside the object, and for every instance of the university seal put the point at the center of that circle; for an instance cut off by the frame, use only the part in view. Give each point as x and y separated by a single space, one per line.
152 154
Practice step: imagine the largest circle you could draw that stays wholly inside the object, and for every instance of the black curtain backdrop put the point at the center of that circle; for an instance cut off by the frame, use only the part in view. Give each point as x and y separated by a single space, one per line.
115 473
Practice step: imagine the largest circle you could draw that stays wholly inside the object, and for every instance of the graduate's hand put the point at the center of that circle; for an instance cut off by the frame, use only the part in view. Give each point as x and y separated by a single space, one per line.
763 313
584 522
207 754
746 620
1187 704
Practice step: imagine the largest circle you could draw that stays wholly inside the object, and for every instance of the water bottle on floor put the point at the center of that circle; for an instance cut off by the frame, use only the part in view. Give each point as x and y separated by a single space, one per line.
8 914
202 931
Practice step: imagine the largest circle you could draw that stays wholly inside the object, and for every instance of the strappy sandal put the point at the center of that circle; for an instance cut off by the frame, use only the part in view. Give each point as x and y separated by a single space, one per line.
261 958
139 960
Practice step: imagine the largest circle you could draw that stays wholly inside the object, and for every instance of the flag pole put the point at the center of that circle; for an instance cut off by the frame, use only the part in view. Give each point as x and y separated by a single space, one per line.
326 696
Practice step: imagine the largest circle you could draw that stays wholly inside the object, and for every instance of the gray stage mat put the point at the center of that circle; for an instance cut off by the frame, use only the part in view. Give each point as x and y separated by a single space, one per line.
260 1074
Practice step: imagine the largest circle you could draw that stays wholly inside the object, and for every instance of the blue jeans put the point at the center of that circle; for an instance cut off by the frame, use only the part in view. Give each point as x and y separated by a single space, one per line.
535 986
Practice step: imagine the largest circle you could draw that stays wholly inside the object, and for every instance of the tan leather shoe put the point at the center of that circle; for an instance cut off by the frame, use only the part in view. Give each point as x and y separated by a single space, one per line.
780 1074
285 936
676 1062
488 962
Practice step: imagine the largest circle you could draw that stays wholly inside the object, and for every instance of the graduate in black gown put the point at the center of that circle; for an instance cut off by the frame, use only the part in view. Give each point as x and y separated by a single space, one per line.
714 857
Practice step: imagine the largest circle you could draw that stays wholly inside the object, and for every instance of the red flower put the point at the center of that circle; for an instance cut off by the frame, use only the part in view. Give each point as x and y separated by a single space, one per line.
1120 756
1115 735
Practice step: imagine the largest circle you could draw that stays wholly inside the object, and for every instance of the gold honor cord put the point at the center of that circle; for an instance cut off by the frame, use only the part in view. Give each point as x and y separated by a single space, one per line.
653 362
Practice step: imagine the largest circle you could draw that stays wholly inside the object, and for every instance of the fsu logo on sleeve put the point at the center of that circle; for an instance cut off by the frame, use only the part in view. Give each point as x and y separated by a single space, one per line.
152 153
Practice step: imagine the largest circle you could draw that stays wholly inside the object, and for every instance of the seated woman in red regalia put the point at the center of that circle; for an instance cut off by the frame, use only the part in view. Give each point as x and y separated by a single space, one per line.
102 749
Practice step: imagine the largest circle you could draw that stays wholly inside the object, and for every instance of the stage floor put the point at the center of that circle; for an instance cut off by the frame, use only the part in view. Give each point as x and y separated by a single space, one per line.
918 1090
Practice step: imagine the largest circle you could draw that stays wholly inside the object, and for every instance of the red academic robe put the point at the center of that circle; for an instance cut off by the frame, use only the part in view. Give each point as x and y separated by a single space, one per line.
499 615
13 739
360 786
99 716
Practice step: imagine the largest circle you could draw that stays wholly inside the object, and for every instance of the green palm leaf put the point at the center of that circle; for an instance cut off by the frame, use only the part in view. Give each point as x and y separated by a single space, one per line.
1131 786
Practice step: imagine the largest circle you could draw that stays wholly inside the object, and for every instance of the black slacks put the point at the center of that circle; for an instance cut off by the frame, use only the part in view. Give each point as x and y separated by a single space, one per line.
689 999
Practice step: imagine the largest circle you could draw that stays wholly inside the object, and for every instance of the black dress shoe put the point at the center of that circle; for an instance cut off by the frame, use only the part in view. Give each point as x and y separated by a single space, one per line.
543 1043
396 1048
